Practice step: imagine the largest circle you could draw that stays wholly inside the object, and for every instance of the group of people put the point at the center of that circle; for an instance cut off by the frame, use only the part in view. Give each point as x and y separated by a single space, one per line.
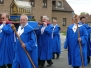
78 42
32 47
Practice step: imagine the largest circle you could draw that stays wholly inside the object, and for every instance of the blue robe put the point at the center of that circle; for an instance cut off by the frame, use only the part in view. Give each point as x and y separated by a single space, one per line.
56 39
44 43
33 24
6 45
73 46
28 37
88 28
38 34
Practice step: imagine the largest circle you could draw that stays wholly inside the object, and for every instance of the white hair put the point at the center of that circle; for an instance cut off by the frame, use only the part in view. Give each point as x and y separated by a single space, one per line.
46 18
5 14
24 16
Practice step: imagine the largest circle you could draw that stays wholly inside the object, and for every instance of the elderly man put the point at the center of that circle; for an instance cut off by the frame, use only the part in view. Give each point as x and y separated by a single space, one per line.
72 43
6 42
56 39
44 35
27 35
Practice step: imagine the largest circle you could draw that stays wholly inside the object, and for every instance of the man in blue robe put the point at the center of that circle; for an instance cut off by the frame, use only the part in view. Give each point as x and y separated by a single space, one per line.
72 43
44 44
88 28
28 37
56 39
6 42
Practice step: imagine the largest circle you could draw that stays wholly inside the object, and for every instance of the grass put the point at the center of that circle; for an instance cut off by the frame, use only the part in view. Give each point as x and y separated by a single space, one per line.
63 33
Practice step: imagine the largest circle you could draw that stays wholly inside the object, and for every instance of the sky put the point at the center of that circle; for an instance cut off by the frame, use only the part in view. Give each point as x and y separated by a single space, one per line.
80 6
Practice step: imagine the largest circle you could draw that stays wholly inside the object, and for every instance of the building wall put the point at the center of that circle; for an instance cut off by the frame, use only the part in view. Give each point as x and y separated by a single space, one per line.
6 6
60 16
39 11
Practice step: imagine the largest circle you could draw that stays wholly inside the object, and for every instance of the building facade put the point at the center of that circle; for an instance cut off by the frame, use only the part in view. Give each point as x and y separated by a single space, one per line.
54 9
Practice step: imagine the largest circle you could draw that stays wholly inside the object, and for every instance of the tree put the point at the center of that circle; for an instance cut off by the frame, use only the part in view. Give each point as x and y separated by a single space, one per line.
84 13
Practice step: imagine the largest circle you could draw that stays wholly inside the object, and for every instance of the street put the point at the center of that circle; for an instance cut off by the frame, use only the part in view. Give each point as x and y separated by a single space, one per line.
62 62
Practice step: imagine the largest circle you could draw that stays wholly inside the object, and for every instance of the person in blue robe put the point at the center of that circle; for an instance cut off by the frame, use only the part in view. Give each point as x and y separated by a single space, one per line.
88 28
38 34
6 43
72 44
28 37
56 39
44 37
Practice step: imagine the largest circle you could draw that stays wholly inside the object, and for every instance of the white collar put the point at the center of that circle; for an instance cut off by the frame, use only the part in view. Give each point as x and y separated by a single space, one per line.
21 30
74 28
55 25
24 25
79 25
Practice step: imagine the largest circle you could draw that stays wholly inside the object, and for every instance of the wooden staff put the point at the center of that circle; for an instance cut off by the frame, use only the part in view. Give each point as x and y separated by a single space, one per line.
76 18
29 57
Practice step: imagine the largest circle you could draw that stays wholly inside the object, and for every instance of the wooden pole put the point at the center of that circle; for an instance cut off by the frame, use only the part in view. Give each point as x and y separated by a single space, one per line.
76 18
29 57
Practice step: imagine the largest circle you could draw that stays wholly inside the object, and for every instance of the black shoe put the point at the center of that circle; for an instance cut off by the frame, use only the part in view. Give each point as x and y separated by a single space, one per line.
50 64
88 60
9 65
40 67
3 66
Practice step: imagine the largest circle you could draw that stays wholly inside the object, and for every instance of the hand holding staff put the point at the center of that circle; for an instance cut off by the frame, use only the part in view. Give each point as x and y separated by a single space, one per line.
29 57
79 40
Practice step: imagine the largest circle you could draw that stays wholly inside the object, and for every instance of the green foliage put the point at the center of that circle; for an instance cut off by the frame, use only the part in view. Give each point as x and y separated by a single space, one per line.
63 33
33 19
16 19
83 13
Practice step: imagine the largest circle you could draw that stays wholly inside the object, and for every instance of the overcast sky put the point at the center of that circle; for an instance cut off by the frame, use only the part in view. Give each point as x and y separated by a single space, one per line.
80 6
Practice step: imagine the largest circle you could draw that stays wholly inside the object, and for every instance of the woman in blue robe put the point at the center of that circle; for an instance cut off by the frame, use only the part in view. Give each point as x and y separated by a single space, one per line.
72 43
6 45
56 39
28 37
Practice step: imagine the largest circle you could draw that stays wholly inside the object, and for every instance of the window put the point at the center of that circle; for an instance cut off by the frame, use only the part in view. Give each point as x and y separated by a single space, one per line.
44 4
59 4
1 1
32 2
64 22
54 3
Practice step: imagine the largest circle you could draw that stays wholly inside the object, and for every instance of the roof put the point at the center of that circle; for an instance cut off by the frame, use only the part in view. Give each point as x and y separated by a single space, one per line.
88 20
87 16
23 4
66 7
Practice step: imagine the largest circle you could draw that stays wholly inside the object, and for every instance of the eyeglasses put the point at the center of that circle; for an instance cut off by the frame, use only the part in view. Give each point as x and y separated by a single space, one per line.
2 18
